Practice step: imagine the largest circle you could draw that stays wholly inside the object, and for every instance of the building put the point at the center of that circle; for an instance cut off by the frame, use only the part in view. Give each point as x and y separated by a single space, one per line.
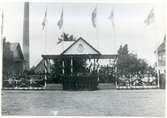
80 49
161 66
18 58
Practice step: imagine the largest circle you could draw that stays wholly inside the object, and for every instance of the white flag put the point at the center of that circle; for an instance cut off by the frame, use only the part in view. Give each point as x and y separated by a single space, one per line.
150 18
111 17
94 14
44 21
60 23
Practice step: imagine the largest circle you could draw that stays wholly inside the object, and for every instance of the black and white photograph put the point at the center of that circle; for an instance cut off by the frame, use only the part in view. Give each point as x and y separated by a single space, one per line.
83 58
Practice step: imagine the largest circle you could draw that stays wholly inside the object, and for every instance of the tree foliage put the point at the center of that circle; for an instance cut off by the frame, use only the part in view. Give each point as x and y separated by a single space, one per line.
66 37
129 63
8 57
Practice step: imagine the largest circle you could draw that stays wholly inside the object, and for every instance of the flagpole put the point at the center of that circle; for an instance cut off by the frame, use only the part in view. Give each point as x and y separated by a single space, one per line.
97 26
63 38
46 31
148 21
2 29
156 47
46 36
115 41
2 26
63 25
114 33
156 50
2 39
111 17
45 62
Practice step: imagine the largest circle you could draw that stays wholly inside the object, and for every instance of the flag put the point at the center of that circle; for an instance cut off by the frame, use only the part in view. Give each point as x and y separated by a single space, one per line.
44 21
94 14
150 18
2 24
111 17
60 23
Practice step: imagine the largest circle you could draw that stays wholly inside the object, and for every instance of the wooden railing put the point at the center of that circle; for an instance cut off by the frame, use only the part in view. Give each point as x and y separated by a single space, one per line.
23 84
137 83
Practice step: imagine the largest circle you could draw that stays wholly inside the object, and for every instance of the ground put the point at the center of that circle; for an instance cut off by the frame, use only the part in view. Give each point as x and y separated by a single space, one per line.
84 103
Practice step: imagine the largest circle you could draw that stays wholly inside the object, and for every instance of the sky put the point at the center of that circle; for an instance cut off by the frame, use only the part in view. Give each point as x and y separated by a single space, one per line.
128 20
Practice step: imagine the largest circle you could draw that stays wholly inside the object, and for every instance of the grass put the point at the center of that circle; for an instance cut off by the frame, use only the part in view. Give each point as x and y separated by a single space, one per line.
84 103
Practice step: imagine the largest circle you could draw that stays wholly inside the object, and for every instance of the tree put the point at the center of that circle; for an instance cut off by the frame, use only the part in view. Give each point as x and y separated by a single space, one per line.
8 57
130 63
123 50
123 60
66 37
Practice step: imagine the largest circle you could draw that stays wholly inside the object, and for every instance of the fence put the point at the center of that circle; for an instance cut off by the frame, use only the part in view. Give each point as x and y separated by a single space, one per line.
77 82
23 84
138 83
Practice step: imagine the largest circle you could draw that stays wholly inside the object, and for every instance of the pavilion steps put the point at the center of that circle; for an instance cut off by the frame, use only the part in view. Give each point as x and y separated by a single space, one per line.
107 86
54 87
102 86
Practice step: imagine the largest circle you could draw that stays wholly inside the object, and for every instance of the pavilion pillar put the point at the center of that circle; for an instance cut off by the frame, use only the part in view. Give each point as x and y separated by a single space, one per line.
116 77
97 69
90 63
46 70
158 75
110 62
94 65
48 65
116 72
63 67
71 65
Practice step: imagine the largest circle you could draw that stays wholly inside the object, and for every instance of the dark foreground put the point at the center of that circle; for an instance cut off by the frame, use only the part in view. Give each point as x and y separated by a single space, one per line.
84 103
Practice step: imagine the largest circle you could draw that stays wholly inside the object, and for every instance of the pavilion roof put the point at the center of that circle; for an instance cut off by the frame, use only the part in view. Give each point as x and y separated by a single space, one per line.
63 47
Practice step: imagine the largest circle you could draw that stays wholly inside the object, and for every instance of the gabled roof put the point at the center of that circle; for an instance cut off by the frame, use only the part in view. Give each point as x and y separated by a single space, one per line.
83 41
162 46
14 47
40 66
58 49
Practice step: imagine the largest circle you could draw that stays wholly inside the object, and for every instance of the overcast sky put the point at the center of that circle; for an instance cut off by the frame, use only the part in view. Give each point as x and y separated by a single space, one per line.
128 19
